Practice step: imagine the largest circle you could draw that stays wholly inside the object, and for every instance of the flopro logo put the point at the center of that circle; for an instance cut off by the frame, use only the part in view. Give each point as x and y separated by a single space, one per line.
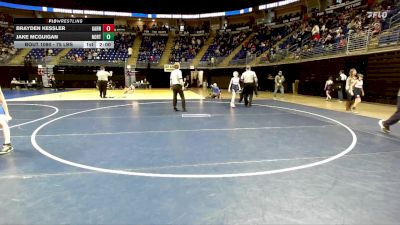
381 15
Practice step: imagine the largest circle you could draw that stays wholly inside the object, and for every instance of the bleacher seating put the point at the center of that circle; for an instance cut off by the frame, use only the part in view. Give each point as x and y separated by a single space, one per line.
224 44
391 38
318 33
152 48
119 53
264 40
40 53
186 48
97 54
321 33
7 50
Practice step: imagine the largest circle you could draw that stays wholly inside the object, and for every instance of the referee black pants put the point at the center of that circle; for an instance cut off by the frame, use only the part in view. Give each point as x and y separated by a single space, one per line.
248 93
102 88
177 89
395 117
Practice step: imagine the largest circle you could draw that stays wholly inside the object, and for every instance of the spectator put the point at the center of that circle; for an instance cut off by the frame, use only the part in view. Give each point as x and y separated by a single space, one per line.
350 82
358 91
328 88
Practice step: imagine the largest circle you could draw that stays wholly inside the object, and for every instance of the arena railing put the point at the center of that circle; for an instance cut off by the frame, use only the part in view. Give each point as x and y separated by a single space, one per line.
356 43
389 38
217 60
156 65
41 61
249 58
395 19
108 63
144 64
186 64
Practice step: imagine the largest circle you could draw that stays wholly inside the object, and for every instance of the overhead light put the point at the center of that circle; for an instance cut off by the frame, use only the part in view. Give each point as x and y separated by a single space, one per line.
153 20
85 16
139 19
72 15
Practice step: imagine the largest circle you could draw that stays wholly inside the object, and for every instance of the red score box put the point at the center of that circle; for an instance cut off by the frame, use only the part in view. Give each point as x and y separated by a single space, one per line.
108 27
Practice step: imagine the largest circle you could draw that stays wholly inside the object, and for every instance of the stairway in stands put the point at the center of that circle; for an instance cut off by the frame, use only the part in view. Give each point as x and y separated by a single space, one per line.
258 59
135 51
226 61
20 57
167 50
56 59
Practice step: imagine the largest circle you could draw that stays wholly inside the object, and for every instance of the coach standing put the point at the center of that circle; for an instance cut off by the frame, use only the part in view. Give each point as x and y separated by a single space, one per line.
249 78
176 83
102 79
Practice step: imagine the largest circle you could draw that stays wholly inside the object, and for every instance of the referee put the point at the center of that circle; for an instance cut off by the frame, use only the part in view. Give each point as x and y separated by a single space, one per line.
176 83
102 79
250 80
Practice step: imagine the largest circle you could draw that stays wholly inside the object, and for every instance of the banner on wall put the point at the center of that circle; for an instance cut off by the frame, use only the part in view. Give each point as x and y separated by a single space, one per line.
347 5
168 67
243 28
292 19
3 24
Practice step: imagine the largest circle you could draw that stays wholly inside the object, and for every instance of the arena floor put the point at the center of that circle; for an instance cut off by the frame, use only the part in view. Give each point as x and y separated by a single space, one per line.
130 159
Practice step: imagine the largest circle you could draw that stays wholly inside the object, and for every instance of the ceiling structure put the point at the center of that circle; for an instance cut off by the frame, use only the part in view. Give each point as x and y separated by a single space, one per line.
149 6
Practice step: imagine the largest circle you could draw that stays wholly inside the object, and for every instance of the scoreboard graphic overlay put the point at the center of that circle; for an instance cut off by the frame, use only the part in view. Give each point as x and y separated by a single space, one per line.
64 33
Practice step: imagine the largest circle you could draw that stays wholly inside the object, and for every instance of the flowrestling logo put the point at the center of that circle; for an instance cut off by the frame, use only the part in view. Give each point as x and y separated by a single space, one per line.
380 15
